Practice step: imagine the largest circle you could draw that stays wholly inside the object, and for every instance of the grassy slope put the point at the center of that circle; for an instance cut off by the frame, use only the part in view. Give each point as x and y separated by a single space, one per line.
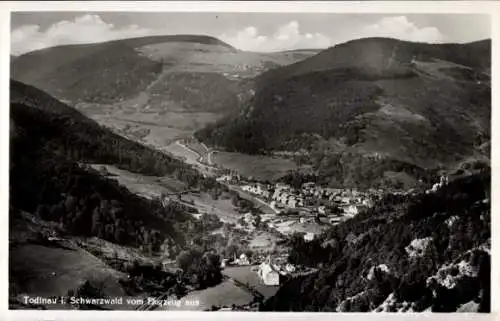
370 99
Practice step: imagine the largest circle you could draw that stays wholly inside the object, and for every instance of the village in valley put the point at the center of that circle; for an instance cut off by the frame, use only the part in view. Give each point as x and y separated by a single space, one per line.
310 204
283 211
266 217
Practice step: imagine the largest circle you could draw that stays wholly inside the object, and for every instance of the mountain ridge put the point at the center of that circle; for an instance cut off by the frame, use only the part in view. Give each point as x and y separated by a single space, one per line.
145 40
175 87
392 99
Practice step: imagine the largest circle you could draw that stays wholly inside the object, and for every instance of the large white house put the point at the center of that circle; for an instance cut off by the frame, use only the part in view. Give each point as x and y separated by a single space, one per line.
268 273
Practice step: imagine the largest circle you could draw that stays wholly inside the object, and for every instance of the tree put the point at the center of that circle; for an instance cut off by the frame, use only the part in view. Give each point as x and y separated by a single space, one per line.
209 269
249 253
258 220
96 222
187 260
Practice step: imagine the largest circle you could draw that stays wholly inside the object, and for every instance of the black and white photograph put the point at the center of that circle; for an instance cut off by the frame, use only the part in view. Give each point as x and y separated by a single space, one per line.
250 161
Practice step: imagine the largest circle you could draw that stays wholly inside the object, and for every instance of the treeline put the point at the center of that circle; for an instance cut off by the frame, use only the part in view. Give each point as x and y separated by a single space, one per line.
456 219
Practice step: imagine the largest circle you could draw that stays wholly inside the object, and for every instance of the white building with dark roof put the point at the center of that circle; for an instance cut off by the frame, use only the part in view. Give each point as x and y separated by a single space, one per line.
268 273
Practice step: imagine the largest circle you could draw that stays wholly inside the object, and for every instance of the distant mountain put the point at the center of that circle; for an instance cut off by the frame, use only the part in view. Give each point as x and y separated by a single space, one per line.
369 111
121 69
167 86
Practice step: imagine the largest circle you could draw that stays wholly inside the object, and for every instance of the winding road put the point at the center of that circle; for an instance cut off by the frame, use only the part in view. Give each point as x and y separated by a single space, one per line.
267 209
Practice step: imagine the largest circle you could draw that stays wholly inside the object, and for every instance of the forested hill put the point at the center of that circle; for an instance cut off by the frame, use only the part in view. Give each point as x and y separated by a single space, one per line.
49 141
369 104
67 131
429 252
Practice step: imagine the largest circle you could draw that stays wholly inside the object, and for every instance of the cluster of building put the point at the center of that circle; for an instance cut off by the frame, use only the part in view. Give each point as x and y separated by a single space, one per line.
308 209
269 271
230 177
258 189
285 196
311 196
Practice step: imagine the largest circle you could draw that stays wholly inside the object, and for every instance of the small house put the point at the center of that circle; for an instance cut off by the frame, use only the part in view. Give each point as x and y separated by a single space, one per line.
290 268
351 210
309 237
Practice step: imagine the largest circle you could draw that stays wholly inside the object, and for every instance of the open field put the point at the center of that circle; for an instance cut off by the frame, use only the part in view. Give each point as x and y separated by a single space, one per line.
162 128
221 207
260 167
147 186
245 275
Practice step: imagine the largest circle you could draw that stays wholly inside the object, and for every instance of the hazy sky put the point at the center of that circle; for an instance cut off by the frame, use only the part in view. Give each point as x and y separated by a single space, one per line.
247 31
